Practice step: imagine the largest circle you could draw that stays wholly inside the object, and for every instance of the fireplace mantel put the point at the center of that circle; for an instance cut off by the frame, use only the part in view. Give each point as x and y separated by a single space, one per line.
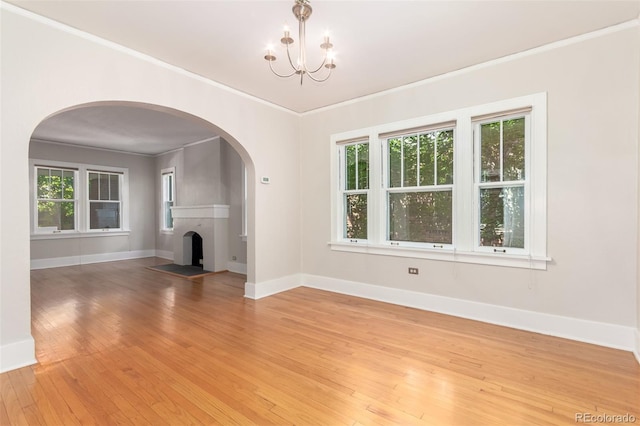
213 211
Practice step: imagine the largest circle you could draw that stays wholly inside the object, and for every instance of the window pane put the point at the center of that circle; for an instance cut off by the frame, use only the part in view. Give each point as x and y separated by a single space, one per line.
363 166
114 187
56 184
421 217
68 188
169 178
513 146
445 157
350 165
490 152
44 183
93 186
55 214
67 215
427 143
104 215
168 218
410 160
395 163
356 216
502 217
104 186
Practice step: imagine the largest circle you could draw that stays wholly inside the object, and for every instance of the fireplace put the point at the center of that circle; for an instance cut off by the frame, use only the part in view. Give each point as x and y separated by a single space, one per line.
200 236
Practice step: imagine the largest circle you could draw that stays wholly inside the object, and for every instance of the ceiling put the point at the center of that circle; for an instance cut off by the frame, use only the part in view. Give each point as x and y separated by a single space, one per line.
379 44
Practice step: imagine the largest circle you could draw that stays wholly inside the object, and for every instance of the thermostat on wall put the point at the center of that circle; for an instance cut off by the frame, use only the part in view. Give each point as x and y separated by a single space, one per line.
265 179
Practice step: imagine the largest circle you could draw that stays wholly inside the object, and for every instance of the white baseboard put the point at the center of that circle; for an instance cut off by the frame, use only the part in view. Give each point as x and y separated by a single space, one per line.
603 334
268 288
164 254
84 259
238 268
17 355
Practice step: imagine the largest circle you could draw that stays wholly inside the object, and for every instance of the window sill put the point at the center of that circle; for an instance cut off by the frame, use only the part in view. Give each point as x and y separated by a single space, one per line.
91 234
445 254
166 231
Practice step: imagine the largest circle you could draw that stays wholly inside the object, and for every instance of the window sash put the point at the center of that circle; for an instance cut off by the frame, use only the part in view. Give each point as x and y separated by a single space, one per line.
105 217
482 186
354 187
54 206
168 196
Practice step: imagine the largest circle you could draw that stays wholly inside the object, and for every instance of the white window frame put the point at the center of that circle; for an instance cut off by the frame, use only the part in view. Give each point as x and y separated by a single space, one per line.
36 199
82 197
343 192
418 188
170 171
101 171
465 246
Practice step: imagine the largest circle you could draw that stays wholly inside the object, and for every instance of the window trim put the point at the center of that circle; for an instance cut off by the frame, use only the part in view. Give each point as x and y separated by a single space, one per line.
167 171
464 247
82 206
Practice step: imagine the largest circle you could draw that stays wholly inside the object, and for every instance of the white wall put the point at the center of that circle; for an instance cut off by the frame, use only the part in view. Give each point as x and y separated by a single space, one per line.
46 68
592 88
233 170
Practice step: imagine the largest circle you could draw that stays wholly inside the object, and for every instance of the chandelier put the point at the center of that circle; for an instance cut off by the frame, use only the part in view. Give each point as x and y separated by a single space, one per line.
302 10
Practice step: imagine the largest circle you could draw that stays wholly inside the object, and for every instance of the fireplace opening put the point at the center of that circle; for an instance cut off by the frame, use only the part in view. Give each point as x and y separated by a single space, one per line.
196 250
193 252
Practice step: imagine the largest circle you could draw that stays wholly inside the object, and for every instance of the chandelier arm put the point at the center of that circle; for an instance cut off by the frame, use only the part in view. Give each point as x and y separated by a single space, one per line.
324 61
279 75
320 80
290 61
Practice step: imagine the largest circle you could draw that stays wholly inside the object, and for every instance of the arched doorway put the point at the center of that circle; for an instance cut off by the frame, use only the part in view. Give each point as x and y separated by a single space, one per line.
121 152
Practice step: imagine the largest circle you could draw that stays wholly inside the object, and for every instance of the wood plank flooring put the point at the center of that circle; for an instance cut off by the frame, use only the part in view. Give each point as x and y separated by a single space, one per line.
120 344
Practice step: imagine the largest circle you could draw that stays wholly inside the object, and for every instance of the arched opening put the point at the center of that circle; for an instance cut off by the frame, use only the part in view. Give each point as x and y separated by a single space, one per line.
140 164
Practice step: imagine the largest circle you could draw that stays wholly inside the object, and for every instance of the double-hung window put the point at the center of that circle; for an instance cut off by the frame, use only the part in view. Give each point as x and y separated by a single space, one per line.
419 186
168 198
467 185
104 200
354 190
501 183
56 199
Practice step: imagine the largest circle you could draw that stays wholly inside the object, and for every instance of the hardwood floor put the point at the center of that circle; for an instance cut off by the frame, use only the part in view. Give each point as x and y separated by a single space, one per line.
120 344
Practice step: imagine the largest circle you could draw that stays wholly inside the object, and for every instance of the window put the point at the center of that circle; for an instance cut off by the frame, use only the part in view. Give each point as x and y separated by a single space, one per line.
354 189
168 198
467 185
500 182
56 202
70 198
104 200
419 186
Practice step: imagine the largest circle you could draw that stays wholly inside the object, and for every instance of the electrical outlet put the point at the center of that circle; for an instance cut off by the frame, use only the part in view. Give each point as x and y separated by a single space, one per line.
234 258
413 271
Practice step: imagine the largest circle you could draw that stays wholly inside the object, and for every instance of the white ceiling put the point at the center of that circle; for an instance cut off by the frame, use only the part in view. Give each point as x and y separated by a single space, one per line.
379 44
